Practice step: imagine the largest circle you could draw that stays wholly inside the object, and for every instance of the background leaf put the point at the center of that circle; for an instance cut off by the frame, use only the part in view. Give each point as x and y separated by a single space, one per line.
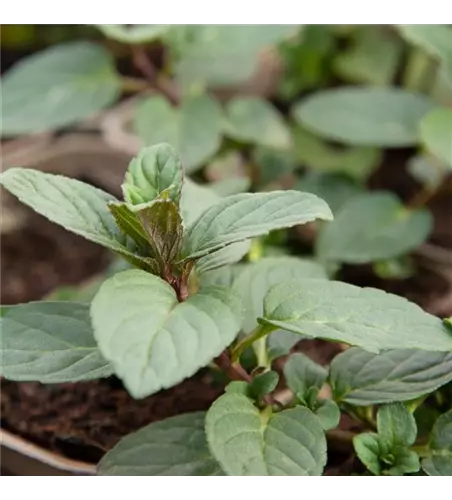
289 443
50 342
436 133
373 226
364 116
173 447
362 378
136 33
154 341
366 317
254 120
194 128
58 87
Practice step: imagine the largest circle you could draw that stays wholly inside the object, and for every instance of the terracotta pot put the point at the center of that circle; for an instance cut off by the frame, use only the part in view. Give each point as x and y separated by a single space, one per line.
22 458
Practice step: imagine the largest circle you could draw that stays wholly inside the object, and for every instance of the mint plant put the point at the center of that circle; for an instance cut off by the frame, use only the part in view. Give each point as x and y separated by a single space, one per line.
184 303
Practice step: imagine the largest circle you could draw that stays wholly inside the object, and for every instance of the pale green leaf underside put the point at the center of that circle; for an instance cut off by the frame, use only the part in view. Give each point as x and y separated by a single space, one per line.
244 216
291 443
176 446
362 378
365 317
194 129
57 87
254 120
436 134
50 342
152 340
440 463
257 278
371 227
361 116
76 206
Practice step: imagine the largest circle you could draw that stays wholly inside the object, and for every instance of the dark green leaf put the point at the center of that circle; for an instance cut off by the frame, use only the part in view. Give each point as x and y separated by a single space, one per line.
264 384
440 462
129 223
367 448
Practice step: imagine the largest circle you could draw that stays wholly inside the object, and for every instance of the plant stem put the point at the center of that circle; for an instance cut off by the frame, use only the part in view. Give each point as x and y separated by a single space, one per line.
259 332
156 81
132 85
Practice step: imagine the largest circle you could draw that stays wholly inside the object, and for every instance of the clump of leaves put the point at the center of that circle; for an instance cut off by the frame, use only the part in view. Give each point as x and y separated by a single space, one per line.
185 304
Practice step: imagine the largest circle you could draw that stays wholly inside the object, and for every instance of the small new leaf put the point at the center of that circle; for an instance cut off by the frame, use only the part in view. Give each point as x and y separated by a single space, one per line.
155 172
50 342
244 216
173 447
302 373
365 317
248 443
396 425
440 462
264 384
156 342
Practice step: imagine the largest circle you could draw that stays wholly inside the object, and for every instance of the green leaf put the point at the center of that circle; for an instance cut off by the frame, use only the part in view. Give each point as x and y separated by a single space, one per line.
335 189
224 276
435 39
129 223
136 33
280 342
302 373
371 227
258 278
367 447
76 206
153 341
57 87
427 170
361 378
233 185
173 447
226 256
362 116
440 462
156 171
273 164
254 120
195 200
244 216
238 387
396 425
221 55
194 128
366 317
163 224
50 342
248 443
328 413
436 133
373 57
264 384
316 154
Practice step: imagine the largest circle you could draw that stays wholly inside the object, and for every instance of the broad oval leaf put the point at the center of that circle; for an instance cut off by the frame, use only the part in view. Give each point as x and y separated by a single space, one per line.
250 119
435 39
247 443
57 87
365 317
436 134
244 216
194 128
176 446
396 425
50 342
361 378
371 227
362 116
258 278
152 340
135 33
155 171
440 462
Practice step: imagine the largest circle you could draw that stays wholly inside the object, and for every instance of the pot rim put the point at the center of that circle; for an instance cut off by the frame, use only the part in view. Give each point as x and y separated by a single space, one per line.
50 458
